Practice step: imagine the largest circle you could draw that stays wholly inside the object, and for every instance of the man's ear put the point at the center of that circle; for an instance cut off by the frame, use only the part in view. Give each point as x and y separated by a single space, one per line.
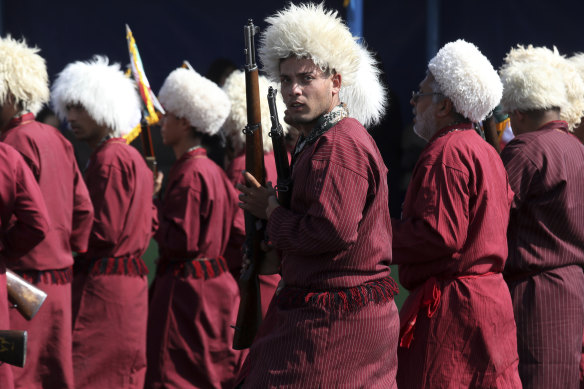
184 124
445 108
337 80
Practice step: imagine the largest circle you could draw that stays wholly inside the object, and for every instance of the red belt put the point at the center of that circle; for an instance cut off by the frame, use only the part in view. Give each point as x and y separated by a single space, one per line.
425 296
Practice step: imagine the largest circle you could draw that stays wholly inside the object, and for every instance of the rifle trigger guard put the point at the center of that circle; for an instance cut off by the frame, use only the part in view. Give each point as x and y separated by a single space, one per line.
282 188
250 129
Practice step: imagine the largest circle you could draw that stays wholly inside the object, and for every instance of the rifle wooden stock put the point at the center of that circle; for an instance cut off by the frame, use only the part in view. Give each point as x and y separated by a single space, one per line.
13 347
284 185
27 297
249 316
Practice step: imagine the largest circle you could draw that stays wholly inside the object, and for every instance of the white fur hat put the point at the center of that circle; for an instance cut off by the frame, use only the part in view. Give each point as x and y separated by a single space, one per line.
310 31
467 78
537 78
187 94
23 74
109 97
236 121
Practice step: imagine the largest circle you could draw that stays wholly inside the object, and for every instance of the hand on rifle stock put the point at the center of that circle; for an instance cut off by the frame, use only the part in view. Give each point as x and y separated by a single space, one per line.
256 199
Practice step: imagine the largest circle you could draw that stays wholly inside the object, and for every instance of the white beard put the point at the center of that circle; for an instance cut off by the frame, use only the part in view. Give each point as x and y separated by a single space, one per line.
425 125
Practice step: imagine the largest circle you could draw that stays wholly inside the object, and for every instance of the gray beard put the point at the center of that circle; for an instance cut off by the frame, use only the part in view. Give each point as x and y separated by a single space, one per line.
425 126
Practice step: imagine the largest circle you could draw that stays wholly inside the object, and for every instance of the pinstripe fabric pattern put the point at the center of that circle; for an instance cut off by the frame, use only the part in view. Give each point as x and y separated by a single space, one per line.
453 233
546 254
337 234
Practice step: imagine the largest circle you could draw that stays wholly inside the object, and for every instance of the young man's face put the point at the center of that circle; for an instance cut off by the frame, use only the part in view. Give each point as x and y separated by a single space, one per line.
307 91
84 127
171 129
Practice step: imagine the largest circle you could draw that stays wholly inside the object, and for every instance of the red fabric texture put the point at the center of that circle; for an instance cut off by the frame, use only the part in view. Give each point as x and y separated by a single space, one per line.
190 334
189 327
333 238
121 188
49 361
451 243
546 253
268 283
24 220
110 287
52 161
109 331
23 224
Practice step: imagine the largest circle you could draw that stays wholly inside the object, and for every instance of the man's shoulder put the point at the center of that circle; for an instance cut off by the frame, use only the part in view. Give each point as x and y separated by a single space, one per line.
117 153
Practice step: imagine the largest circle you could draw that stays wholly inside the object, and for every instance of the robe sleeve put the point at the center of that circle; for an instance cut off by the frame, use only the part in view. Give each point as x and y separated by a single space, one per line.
31 220
111 190
435 223
335 198
522 172
82 214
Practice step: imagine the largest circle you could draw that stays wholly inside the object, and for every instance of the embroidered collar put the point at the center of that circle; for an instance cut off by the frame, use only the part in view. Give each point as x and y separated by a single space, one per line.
323 124
452 128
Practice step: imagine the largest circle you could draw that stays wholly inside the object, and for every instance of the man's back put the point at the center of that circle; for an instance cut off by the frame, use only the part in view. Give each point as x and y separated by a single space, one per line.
51 159
546 229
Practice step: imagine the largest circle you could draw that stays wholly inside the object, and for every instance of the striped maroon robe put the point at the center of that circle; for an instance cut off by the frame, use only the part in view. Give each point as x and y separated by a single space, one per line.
110 288
24 222
49 265
457 323
194 298
546 254
335 323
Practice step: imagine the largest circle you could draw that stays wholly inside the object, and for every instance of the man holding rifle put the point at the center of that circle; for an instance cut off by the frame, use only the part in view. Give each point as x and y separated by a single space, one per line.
334 323
194 297
24 89
110 290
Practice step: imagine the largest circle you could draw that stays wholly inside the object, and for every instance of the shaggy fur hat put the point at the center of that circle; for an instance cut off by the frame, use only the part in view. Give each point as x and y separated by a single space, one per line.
187 94
310 31
467 78
109 97
537 78
237 120
23 74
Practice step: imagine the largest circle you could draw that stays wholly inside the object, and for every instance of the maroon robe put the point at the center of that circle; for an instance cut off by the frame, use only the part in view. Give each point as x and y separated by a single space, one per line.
546 254
49 265
268 283
457 323
110 289
335 323
24 222
194 298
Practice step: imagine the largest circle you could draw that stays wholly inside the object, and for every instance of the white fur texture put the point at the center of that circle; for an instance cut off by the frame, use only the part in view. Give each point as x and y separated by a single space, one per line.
467 78
236 121
23 74
537 78
310 31
109 97
187 94
366 98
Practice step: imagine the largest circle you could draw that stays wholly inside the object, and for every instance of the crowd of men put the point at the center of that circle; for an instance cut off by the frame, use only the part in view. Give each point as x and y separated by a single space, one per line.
490 246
